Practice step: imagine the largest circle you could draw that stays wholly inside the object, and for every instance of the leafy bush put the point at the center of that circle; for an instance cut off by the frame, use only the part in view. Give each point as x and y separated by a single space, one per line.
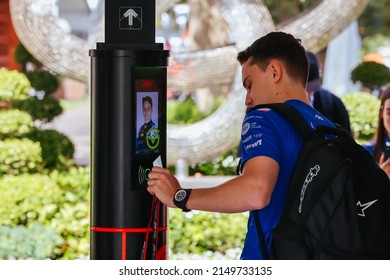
372 43
27 198
363 109
13 86
22 56
43 81
33 242
223 165
199 232
75 182
44 110
57 148
60 202
20 156
72 219
14 123
54 200
183 112
371 75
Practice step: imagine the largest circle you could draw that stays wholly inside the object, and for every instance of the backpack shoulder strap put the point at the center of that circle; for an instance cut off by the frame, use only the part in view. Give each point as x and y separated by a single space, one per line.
260 235
292 115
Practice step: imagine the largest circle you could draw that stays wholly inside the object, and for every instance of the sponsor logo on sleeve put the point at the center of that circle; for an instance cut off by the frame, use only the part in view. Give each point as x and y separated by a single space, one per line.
247 139
253 145
245 128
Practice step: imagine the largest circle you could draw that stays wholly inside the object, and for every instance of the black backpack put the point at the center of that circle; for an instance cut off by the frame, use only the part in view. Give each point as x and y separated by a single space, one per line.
338 203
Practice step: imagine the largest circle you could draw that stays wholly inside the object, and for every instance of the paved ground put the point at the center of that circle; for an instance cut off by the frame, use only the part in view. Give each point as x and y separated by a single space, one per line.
75 123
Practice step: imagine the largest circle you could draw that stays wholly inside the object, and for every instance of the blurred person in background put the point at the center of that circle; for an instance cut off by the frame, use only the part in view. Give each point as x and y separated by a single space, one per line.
327 103
380 146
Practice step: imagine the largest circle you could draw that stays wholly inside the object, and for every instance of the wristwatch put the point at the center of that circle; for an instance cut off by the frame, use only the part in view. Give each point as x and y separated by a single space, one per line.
180 199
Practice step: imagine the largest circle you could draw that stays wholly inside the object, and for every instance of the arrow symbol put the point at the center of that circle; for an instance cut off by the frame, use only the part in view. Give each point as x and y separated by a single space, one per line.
130 14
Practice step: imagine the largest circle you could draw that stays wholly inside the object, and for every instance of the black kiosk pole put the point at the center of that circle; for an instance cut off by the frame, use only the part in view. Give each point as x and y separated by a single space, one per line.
128 135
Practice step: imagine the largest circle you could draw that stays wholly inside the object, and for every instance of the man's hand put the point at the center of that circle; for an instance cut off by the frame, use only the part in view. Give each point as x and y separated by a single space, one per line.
163 184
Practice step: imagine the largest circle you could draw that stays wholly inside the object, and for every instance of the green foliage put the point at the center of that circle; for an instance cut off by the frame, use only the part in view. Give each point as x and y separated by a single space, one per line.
27 198
43 80
75 182
72 219
14 123
13 86
20 156
286 10
187 112
363 109
375 18
45 109
59 201
35 242
22 56
224 165
372 43
371 75
57 148
183 112
198 232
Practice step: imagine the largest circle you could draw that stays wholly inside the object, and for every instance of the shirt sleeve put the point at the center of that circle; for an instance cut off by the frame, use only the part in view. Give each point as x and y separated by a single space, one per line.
261 135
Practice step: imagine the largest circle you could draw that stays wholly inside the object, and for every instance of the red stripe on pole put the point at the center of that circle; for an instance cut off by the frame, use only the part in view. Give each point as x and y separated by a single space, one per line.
124 231
128 230
123 245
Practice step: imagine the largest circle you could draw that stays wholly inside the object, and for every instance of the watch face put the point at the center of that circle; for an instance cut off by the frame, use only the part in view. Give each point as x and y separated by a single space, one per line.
180 195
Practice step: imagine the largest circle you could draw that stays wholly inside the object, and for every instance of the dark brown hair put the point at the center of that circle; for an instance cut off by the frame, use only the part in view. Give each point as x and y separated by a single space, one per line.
147 99
380 131
281 46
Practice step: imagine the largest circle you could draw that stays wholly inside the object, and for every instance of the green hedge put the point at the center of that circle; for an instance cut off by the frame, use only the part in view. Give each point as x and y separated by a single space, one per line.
14 123
183 112
44 110
35 242
43 81
27 198
19 156
57 148
22 56
363 110
371 75
199 232
13 86
59 201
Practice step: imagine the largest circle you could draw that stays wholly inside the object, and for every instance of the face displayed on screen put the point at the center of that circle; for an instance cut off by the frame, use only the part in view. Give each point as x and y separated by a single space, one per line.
147 109
148 133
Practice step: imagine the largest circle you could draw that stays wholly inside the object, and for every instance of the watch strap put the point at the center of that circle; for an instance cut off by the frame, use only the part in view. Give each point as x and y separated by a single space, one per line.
182 204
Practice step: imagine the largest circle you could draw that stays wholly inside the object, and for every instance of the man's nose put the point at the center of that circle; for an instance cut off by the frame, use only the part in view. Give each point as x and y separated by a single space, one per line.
248 100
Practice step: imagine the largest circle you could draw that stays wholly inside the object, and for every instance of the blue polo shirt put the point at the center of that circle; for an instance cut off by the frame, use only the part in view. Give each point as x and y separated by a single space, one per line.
266 133
370 146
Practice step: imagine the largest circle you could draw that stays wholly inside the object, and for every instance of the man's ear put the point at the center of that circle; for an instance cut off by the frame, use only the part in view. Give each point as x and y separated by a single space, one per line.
277 70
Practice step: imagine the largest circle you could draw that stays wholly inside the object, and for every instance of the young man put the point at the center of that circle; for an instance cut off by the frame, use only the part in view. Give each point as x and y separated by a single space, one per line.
274 69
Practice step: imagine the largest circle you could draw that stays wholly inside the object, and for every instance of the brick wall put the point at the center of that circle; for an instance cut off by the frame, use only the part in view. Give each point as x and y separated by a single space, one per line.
8 39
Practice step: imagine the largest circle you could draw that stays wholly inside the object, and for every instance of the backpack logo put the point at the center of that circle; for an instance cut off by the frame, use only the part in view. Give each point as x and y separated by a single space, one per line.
364 206
309 177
